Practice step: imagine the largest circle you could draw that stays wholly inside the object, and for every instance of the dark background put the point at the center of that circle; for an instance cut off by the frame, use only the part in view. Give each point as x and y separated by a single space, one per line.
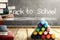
35 4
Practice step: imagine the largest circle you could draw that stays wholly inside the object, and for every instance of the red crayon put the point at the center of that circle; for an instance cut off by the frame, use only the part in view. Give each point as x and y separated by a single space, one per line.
43 36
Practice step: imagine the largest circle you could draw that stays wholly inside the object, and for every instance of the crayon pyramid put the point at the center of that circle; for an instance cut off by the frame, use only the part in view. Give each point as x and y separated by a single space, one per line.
43 31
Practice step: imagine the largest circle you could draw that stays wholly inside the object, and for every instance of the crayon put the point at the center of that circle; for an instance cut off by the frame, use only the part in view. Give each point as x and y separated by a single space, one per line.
45 24
39 25
35 33
43 36
45 33
51 32
37 29
42 21
42 29
48 29
40 33
33 36
48 36
53 36
38 37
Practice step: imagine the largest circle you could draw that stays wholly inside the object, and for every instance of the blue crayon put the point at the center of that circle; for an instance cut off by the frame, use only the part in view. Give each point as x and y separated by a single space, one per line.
38 37
46 24
42 21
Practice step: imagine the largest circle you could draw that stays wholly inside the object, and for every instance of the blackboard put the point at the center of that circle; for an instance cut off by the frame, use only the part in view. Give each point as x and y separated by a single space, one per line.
48 9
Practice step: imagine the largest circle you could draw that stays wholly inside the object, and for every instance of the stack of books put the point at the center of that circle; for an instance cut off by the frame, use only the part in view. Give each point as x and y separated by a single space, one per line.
3 10
3 30
4 33
4 7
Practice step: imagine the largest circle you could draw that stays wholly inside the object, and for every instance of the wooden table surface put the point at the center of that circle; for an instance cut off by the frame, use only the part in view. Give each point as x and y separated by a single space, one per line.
25 33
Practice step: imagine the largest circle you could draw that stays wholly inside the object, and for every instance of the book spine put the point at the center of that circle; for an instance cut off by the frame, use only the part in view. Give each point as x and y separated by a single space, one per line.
3 1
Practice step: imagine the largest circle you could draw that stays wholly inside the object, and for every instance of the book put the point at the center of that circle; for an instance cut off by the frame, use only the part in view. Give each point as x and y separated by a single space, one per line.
3 33
1 11
11 7
3 28
4 1
2 5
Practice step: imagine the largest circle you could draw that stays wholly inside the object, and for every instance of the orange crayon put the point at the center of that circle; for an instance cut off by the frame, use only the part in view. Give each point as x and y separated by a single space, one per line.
48 29
53 36
35 33
48 36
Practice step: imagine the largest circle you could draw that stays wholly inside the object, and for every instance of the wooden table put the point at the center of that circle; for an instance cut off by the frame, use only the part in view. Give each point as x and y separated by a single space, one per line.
25 33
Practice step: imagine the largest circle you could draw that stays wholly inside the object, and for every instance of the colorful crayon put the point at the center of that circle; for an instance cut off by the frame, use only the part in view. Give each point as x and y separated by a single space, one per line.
40 33
42 29
43 36
45 33
35 33
51 32
37 29
42 21
38 37
39 25
53 36
48 36
48 29
45 24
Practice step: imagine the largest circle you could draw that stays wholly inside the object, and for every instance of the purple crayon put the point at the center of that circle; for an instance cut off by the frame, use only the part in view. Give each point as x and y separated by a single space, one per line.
39 25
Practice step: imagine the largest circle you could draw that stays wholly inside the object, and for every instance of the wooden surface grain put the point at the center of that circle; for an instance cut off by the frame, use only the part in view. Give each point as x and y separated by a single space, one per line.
25 33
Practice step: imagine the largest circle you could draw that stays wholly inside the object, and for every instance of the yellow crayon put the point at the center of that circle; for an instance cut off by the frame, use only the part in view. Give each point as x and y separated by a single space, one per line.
40 33
35 33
